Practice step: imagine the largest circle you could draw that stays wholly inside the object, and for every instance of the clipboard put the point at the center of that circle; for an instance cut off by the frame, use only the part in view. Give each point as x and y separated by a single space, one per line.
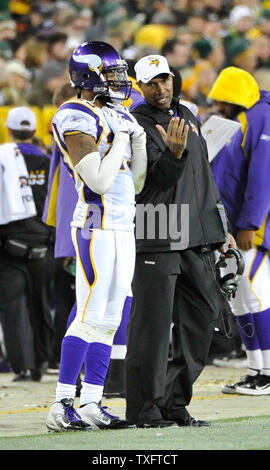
217 132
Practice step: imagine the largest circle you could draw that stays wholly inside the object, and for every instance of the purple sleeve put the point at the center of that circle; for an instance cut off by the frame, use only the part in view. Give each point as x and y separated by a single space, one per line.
256 204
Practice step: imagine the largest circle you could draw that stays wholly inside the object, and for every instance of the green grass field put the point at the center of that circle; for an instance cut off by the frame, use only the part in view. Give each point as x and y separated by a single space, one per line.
250 433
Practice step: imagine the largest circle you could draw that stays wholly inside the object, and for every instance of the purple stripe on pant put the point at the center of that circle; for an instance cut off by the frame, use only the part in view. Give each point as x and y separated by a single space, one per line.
84 251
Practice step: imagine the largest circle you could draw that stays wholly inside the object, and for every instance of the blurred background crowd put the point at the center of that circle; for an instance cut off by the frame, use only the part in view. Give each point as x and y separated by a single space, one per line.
198 37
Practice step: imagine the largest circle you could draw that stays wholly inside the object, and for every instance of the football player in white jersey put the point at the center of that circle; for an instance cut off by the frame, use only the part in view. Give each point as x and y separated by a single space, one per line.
103 148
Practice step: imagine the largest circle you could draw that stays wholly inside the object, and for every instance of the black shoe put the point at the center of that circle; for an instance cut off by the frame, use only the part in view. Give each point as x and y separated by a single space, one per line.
150 417
246 381
121 424
260 386
23 376
196 423
182 417
158 423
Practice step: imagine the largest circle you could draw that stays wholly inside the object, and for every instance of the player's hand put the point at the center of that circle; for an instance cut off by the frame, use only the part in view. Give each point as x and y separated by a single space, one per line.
119 123
176 136
114 120
245 239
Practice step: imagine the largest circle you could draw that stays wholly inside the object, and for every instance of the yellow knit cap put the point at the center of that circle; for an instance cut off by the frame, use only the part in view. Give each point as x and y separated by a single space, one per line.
20 7
154 35
235 86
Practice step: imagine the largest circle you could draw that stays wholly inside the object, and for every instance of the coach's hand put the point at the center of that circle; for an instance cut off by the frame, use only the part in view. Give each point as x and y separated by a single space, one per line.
176 136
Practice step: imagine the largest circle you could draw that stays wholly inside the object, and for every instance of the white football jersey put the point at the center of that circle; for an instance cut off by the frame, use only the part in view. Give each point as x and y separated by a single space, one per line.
114 210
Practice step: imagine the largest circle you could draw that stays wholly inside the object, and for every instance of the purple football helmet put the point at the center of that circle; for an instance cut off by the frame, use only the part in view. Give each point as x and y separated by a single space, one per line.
96 66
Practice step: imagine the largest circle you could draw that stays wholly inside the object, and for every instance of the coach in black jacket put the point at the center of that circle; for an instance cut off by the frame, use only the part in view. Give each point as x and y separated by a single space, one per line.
180 221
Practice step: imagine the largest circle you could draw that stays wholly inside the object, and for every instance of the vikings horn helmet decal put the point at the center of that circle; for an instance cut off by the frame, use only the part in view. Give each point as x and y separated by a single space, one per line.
97 66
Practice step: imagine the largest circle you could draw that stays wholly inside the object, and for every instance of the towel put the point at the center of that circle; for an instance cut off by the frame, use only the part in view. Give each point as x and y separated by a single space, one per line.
16 197
60 204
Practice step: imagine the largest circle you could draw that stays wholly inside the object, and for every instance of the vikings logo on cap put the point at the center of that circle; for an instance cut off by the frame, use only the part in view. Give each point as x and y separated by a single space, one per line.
154 61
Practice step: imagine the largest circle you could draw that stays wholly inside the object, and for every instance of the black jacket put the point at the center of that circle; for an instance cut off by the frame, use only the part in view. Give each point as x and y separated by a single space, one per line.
172 183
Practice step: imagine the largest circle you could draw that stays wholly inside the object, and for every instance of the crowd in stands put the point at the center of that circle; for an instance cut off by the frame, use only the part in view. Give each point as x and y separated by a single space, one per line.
198 37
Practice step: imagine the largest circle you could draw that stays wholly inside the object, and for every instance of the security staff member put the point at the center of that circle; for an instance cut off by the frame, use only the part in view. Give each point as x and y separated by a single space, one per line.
25 251
179 223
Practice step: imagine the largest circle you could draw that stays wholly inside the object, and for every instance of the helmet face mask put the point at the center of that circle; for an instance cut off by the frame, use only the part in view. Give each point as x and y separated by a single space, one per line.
97 67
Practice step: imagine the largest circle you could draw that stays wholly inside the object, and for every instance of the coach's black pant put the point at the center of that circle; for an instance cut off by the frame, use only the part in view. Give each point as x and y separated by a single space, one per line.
176 288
